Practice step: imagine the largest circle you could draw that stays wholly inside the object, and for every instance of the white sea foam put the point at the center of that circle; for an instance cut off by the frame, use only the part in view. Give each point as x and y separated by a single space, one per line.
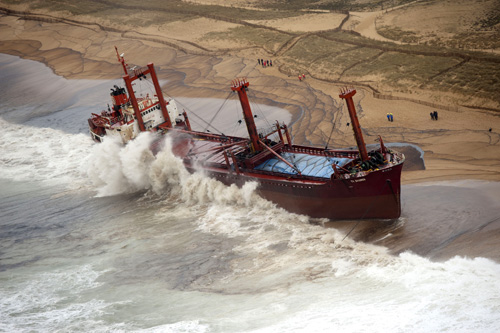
411 295
179 327
116 168
44 154
51 301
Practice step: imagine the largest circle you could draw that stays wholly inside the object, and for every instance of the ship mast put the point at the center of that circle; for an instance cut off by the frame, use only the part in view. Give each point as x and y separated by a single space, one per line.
240 86
134 74
121 60
347 95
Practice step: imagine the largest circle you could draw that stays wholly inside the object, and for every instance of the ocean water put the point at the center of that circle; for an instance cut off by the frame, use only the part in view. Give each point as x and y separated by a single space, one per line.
106 238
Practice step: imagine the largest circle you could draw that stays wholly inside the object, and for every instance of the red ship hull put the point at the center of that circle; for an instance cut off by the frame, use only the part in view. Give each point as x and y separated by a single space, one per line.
369 195
374 196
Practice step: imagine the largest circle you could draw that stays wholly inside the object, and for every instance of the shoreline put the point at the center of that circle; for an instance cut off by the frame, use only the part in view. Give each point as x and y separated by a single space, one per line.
419 230
458 146
181 89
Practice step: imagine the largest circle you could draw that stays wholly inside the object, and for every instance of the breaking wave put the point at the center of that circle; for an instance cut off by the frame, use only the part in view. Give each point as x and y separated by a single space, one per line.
115 168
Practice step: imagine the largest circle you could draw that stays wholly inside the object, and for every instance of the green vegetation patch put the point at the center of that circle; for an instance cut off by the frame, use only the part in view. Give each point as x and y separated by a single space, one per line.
476 40
269 39
492 19
396 67
211 11
333 5
241 14
141 19
311 49
354 38
396 33
337 65
475 78
167 7
74 7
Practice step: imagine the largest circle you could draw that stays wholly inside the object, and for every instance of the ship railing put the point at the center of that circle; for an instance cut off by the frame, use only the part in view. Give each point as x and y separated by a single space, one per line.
216 149
398 157
255 159
286 176
268 131
212 137
238 149
321 152
99 120
358 174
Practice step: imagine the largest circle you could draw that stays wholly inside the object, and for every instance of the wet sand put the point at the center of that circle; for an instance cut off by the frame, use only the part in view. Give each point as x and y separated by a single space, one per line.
439 221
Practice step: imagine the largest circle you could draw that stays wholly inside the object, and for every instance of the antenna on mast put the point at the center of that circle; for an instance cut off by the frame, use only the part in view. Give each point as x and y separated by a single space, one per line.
121 60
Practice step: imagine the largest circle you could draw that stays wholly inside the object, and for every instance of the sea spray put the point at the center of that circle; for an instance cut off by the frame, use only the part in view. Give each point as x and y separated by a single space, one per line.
115 168
168 173
167 170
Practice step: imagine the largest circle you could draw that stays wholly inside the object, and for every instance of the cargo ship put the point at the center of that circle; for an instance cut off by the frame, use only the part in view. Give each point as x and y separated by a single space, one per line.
337 184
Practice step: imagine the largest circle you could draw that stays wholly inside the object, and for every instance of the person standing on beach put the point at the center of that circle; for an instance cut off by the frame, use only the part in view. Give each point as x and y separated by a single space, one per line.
258 60
432 115
435 115
300 77
303 76
388 117
392 118
271 63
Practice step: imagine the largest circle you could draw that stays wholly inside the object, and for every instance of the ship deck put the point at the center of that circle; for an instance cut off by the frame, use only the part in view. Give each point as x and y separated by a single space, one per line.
311 165
308 165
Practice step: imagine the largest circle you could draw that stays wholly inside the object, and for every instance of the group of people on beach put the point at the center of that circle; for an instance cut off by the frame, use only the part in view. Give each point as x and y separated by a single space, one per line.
390 117
265 63
434 115
302 77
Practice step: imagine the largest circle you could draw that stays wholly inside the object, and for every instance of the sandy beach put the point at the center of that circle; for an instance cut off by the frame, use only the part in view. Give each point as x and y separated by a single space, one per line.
464 144
459 145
